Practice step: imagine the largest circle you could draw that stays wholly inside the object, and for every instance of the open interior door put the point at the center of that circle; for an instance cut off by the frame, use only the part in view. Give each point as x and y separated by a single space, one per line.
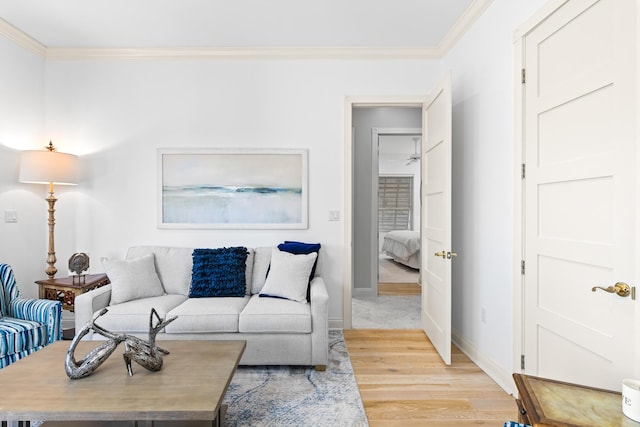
436 218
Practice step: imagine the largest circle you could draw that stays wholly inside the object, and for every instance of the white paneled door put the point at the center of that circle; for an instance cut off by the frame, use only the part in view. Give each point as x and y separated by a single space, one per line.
437 254
580 207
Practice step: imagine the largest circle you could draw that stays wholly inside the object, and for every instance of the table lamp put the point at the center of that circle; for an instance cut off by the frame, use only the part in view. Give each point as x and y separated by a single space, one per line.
49 167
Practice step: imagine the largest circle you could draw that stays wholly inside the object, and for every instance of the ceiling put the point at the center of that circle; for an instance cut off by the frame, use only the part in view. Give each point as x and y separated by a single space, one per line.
153 24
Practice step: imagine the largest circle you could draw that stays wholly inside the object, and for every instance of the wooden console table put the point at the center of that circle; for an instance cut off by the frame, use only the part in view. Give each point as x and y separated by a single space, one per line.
546 403
65 289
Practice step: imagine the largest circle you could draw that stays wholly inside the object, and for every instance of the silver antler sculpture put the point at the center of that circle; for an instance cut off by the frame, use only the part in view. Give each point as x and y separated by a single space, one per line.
145 353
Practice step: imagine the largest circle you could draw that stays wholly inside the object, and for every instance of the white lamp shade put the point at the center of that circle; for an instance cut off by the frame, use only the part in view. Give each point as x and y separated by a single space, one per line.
44 167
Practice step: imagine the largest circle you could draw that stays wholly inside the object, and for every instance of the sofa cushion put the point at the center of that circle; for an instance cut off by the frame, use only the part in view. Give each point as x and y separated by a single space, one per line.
18 335
132 279
133 316
288 275
249 269
173 265
261 261
274 315
300 248
219 272
198 315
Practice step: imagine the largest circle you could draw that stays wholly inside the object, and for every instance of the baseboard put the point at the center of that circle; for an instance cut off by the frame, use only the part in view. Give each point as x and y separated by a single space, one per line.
496 372
336 324
363 293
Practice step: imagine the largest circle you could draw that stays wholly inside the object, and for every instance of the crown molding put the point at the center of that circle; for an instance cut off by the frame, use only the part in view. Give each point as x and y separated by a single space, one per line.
462 25
241 52
22 39
475 9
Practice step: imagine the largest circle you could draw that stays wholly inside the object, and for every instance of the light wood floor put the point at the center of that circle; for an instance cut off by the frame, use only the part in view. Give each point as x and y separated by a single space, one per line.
403 382
399 289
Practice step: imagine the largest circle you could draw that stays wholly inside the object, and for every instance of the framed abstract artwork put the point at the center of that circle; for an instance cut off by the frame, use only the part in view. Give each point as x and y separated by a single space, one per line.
233 188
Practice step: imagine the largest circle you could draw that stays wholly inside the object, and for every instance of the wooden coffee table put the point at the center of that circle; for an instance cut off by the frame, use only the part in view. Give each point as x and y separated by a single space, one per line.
190 386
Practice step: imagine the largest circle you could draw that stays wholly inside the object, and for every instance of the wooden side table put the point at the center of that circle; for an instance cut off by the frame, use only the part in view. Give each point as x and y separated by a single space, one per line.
544 402
65 290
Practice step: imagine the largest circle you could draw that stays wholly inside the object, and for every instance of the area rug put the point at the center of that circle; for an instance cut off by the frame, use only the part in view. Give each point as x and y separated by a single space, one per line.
386 312
297 396
294 396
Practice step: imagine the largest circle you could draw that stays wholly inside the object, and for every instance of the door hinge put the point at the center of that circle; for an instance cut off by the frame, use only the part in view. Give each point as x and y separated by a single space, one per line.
524 170
522 267
522 362
523 76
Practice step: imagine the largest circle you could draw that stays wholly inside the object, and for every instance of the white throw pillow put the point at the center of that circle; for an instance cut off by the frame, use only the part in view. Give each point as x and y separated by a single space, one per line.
288 275
132 279
261 260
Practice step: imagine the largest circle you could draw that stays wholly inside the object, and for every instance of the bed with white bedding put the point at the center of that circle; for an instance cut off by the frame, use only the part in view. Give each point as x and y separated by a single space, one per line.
403 246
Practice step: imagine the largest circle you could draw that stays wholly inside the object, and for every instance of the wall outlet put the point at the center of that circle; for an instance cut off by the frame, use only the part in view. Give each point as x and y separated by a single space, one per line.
483 315
334 215
10 216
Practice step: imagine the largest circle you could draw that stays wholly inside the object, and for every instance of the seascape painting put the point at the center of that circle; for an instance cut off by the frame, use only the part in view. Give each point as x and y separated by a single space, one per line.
225 188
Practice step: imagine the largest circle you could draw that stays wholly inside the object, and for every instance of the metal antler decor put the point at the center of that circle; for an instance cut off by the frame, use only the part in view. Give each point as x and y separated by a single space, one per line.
145 353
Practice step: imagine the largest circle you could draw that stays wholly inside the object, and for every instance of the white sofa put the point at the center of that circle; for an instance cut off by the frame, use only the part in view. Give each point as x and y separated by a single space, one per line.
277 331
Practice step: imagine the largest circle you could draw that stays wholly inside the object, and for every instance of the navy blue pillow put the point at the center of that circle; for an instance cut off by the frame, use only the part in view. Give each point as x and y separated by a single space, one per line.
218 272
301 248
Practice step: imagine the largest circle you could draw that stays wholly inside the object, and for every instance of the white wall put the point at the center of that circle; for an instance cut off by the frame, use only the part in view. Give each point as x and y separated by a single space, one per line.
483 165
24 244
115 114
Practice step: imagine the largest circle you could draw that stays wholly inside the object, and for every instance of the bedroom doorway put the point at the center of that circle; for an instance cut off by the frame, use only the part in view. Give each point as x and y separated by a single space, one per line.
399 211
435 112
388 291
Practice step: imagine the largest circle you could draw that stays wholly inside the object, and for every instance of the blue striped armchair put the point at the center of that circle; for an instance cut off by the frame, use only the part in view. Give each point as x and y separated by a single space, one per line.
26 325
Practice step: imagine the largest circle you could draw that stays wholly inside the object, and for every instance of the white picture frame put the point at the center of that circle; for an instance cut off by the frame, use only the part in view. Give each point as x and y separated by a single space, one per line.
232 188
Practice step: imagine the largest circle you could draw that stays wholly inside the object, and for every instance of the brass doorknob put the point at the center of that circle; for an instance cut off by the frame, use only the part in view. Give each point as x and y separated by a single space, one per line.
447 255
620 288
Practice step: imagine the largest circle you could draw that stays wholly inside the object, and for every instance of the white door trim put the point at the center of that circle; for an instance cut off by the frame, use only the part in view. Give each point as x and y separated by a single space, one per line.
518 208
518 188
350 102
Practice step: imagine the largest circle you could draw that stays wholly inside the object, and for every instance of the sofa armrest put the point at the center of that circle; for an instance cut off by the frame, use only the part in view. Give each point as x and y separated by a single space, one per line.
88 303
40 310
319 322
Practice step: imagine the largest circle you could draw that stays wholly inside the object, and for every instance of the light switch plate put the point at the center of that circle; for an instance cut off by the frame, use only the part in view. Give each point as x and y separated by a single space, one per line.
10 216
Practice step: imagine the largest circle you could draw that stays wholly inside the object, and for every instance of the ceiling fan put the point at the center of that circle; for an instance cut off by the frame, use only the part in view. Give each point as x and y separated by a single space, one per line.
415 156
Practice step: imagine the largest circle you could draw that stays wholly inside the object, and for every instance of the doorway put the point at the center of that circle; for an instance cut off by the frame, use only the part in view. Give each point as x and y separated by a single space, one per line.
398 213
370 122
436 195
395 212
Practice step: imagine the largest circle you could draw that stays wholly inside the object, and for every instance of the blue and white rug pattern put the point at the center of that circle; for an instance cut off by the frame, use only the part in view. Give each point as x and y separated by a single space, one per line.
297 396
